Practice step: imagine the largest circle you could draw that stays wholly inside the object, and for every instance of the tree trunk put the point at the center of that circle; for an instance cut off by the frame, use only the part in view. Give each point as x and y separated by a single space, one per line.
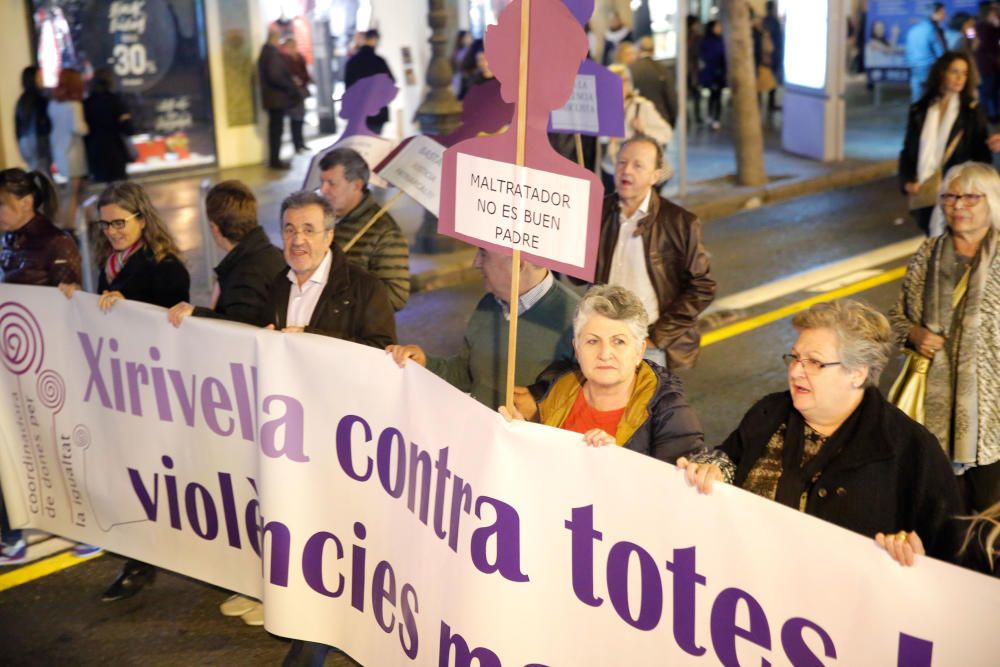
749 138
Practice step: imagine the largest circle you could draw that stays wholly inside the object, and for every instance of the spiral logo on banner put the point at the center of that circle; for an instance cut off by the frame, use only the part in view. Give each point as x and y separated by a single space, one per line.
81 436
22 347
51 390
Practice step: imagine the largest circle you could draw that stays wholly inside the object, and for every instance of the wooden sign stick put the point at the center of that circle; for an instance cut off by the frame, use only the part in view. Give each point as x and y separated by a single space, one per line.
579 150
515 260
375 218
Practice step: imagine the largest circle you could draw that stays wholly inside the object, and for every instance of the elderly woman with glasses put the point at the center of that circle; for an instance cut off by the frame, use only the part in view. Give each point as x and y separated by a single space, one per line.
139 261
949 312
615 397
832 446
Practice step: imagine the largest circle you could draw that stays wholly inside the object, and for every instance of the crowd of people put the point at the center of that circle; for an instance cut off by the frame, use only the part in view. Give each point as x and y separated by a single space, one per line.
606 365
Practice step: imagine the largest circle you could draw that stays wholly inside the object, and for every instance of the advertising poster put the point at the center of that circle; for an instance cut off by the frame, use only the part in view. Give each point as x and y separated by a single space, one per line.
885 36
159 56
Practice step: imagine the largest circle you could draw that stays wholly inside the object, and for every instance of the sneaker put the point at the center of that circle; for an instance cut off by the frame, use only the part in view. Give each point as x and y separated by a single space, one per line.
86 550
14 554
255 616
237 605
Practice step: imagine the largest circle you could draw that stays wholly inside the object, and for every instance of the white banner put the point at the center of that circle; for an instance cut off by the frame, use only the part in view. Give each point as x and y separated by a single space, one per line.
407 524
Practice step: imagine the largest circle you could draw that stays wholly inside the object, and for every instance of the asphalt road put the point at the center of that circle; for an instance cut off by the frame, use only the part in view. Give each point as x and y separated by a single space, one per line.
59 619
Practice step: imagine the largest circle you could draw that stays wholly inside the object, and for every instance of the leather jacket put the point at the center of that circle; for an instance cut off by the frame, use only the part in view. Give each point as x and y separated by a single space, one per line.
678 268
39 253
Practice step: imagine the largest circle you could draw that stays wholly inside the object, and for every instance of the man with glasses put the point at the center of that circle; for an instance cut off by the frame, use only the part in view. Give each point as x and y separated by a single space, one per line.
323 293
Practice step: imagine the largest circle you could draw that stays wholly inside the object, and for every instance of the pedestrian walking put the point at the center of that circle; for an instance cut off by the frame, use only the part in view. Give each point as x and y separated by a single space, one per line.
367 63
278 94
69 127
300 75
109 143
32 124
713 71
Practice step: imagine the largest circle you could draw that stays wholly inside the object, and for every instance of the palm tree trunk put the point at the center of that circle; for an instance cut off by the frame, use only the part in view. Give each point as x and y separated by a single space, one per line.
749 138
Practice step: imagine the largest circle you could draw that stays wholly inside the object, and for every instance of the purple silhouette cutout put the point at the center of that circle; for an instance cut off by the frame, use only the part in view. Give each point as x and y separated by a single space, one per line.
364 99
607 88
483 111
557 45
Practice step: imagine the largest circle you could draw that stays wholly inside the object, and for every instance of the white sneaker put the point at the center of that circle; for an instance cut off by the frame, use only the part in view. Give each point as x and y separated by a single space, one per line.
237 605
14 554
255 616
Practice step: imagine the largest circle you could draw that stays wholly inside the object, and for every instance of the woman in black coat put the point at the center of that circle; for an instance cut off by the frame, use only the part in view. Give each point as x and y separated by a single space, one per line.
110 124
945 127
139 261
832 446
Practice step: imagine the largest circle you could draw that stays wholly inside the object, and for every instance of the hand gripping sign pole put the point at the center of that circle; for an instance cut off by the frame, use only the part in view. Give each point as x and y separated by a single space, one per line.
515 260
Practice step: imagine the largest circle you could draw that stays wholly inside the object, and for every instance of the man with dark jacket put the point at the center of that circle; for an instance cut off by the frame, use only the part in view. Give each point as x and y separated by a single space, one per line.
653 247
278 93
655 81
380 248
367 63
322 292
250 265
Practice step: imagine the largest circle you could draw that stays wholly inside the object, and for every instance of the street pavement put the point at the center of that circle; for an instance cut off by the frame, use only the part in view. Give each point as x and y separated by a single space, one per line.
59 619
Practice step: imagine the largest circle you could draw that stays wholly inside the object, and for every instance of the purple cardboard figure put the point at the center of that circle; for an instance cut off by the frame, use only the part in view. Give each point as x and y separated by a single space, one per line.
596 107
364 99
484 111
550 208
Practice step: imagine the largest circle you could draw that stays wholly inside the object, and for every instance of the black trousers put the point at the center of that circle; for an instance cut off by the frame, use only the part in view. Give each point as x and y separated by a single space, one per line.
275 126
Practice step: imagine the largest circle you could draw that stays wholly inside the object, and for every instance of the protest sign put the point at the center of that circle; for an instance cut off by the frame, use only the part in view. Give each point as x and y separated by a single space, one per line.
407 524
415 168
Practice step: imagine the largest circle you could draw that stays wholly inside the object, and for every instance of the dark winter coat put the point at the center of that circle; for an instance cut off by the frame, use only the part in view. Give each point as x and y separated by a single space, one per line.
162 283
108 119
363 64
972 146
39 253
277 86
245 276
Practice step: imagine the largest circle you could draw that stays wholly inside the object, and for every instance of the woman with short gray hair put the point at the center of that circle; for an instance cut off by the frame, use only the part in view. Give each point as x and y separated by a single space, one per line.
832 446
616 397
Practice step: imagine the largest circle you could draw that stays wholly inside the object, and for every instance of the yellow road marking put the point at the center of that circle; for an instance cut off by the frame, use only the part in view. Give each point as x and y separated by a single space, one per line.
42 568
65 560
752 323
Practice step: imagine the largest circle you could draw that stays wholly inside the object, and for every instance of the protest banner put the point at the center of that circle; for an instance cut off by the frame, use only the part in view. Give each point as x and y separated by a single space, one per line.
407 524
415 168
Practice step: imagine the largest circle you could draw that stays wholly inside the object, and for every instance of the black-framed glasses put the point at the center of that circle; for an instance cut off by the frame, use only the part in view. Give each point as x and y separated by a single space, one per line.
114 224
968 199
810 366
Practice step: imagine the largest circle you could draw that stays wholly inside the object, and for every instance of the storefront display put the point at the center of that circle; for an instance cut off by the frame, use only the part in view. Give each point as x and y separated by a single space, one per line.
158 53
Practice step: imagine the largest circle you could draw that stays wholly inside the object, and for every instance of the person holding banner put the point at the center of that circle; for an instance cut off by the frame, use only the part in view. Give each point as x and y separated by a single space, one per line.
614 396
944 128
141 262
948 312
322 292
251 262
545 309
832 446
379 247
33 251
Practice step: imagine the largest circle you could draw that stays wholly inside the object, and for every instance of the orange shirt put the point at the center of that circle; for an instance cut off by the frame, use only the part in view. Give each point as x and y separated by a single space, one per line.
582 417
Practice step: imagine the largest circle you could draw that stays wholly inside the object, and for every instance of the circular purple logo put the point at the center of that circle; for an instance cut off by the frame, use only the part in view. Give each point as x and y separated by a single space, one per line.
51 390
22 347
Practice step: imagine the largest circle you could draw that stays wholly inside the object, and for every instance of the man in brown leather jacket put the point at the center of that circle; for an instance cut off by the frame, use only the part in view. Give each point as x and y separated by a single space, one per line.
654 248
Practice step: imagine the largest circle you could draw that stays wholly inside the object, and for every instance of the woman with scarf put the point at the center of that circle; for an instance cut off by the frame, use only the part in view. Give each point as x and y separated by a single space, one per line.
139 261
832 446
944 128
949 312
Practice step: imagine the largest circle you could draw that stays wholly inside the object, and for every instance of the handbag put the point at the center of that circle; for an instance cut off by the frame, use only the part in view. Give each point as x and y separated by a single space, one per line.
910 388
927 195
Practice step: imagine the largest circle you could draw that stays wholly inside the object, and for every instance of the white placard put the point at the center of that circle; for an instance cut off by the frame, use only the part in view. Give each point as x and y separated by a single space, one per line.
579 114
536 211
416 170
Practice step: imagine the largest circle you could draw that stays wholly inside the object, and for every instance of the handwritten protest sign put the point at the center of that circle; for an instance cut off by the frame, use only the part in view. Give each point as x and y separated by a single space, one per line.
415 168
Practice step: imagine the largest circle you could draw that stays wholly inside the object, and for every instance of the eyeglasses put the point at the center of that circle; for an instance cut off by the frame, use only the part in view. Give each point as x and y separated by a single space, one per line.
968 199
290 232
114 224
810 366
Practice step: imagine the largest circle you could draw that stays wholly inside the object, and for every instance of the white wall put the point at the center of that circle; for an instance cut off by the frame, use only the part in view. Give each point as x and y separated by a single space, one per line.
15 55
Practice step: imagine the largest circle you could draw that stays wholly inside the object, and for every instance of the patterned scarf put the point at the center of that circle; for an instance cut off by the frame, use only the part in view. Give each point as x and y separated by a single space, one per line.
952 402
117 259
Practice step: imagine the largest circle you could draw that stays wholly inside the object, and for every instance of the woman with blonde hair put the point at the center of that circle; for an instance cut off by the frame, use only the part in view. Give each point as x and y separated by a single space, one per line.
948 318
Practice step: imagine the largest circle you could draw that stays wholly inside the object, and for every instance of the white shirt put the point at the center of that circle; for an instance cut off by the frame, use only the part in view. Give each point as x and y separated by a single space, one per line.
628 262
302 299
529 298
